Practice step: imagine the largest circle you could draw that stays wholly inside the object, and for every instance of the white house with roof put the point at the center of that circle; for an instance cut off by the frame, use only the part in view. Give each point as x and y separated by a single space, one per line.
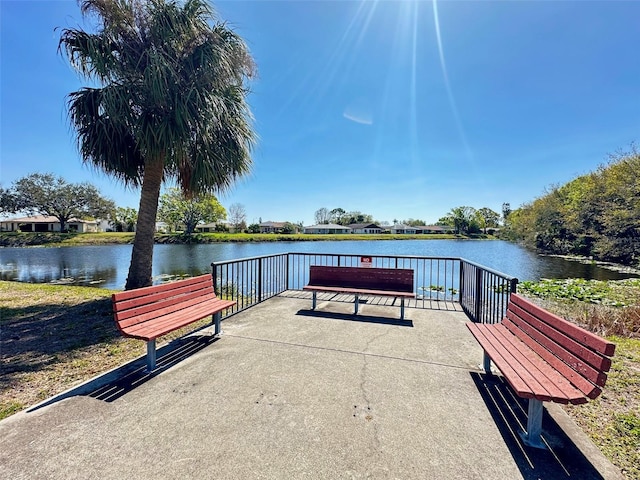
327 228
215 227
427 229
401 229
41 223
272 227
366 228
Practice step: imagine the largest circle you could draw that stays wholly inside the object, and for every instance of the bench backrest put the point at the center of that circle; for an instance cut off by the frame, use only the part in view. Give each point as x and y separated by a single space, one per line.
581 356
143 304
387 279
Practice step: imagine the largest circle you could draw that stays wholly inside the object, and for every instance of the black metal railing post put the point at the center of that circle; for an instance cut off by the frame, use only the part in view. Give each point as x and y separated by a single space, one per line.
214 274
260 279
286 272
513 286
478 297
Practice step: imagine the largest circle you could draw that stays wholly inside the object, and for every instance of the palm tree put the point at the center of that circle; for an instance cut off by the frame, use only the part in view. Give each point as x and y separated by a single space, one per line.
170 105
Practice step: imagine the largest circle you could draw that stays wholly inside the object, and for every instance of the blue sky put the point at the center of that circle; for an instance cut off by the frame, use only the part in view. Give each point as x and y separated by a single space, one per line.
397 109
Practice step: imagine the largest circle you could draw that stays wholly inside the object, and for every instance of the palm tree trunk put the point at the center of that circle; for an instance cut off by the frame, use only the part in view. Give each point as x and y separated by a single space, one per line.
142 255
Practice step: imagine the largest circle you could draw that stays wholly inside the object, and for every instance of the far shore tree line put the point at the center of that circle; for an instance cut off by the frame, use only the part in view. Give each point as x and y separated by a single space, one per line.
48 195
465 220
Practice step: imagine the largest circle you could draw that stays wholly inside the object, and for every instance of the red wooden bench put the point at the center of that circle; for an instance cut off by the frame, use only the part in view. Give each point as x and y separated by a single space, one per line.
150 312
390 282
544 358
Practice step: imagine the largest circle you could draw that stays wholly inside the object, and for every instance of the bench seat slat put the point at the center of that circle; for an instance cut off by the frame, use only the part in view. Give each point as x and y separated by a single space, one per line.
562 360
587 388
148 312
162 325
361 291
529 376
559 388
497 352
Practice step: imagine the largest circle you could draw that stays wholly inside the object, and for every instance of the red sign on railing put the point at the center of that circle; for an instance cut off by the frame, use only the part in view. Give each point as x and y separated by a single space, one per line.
366 262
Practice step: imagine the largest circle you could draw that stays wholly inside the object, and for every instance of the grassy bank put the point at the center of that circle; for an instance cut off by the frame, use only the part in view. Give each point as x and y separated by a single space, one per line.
12 239
54 337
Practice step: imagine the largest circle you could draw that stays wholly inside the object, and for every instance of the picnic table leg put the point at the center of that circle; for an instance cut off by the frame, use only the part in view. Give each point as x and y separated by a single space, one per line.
402 308
314 301
151 355
532 437
356 303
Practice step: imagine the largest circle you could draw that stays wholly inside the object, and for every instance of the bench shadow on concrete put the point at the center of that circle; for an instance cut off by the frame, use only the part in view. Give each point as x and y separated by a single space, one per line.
330 315
116 383
563 459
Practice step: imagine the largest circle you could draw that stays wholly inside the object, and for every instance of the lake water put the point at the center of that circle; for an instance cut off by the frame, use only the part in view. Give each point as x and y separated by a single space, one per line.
107 266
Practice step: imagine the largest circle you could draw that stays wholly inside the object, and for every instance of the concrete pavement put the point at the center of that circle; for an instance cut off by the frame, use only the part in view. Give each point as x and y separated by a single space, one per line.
286 393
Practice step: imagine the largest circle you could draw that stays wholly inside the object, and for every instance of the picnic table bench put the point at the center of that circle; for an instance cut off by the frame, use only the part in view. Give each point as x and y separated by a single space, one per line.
390 282
150 312
544 358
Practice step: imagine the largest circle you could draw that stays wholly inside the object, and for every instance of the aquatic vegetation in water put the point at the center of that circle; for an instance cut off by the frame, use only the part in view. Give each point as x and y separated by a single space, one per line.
612 293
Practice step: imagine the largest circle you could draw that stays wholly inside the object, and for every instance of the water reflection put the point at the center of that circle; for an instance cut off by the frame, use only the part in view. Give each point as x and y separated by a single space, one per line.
107 266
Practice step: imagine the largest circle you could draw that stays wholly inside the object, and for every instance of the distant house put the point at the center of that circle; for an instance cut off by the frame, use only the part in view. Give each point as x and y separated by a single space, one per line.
365 228
401 229
327 228
272 227
214 227
427 229
40 223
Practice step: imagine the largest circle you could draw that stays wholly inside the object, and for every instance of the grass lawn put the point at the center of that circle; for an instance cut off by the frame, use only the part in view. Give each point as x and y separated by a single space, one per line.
54 337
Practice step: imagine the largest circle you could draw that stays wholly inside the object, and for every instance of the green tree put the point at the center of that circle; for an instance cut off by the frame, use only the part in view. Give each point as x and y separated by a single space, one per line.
45 194
414 222
337 215
487 218
170 103
597 214
350 218
463 219
124 219
177 210
289 228
253 228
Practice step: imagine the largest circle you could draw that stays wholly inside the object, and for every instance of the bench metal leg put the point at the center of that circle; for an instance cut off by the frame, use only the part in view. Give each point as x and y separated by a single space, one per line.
402 308
151 355
532 437
357 302
216 322
486 363
314 301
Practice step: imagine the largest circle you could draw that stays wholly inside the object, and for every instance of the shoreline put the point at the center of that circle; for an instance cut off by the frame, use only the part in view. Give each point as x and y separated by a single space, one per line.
55 239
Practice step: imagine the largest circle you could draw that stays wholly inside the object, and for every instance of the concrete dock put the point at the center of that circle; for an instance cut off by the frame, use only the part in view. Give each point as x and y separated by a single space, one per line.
290 393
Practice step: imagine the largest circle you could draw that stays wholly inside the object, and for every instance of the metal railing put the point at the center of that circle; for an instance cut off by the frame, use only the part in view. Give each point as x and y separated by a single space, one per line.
483 293
250 281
